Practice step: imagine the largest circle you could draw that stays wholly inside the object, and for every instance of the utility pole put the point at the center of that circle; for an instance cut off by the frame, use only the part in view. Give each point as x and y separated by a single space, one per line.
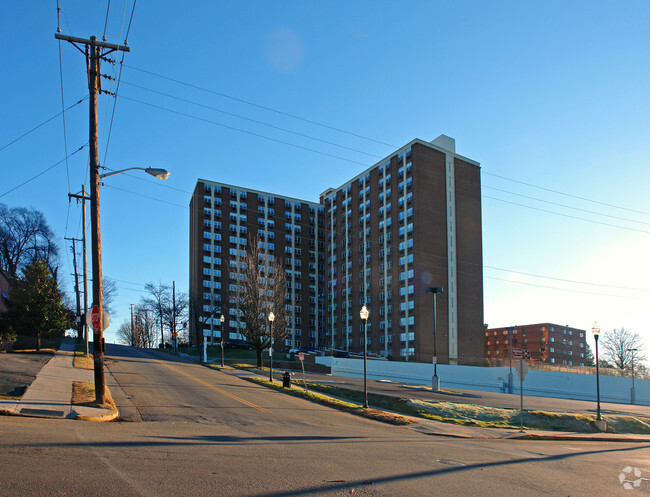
174 336
76 290
132 328
95 51
82 198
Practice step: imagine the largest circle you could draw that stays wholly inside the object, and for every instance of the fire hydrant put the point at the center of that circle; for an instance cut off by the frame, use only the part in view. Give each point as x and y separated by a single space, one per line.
286 380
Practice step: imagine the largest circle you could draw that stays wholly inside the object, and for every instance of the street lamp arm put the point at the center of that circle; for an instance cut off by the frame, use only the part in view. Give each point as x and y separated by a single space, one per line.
159 173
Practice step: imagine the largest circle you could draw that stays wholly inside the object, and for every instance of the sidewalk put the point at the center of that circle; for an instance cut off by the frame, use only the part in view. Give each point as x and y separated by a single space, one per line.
50 394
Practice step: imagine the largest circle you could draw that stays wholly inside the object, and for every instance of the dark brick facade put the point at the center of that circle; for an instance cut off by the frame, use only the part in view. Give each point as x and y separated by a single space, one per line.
378 240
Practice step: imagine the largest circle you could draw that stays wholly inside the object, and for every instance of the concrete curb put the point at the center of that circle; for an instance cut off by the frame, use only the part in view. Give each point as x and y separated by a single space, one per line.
114 414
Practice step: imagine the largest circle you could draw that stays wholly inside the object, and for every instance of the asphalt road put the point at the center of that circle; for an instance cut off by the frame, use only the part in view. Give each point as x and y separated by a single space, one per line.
18 370
207 432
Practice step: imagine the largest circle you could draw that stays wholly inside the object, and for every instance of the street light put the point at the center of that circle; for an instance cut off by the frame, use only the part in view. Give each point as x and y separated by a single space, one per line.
98 332
596 331
435 381
222 319
632 396
159 173
271 319
364 313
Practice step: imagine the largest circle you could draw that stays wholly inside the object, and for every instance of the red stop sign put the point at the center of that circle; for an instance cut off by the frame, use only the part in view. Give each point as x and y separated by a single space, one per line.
94 317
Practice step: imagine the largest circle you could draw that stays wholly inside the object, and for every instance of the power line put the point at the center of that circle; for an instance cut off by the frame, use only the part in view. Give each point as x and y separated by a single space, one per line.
554 287
565 205
244 131
260 106
108 7
252 120
43 172
146 196
42 124
566 280
566 194
566 215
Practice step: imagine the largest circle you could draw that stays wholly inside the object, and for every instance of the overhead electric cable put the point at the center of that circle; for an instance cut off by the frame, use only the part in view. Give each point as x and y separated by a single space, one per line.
566 280
554 287
293 116
566 215
244 131
566 194
65 139
146 196
42 124
566 206
252 120
111 88
108 8
42 172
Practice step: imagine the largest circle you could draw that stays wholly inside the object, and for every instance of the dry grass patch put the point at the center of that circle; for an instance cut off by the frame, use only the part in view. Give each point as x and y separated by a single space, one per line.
83 360
34 351
377 415
83 394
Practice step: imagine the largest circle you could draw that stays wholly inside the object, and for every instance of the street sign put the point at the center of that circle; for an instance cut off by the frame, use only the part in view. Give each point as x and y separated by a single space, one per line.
301 356
522 369
106 321
94 316
435 360
520 353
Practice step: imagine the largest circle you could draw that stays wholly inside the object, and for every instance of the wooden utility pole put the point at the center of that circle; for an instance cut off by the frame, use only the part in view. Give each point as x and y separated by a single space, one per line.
95 51
132 328
83 199
76 290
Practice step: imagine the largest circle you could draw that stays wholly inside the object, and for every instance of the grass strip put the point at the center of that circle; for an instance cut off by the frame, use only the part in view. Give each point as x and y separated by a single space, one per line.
83 394
491 417
350 407
81 359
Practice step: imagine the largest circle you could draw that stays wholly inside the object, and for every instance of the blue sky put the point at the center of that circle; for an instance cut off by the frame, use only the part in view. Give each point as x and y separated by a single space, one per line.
548 96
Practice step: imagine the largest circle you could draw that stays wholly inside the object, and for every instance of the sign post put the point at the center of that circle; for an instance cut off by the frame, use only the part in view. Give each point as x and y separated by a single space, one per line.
522 371
301 356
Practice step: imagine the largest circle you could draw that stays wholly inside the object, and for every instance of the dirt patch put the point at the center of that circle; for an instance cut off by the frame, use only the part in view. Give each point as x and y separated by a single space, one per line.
83 394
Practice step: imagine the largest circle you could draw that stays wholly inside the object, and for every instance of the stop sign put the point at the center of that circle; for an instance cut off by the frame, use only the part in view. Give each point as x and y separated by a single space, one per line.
94 316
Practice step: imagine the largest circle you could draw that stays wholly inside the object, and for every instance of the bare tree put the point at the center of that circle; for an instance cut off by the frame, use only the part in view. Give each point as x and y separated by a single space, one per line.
261 290
109 294
158 301
620 346
25 237
139 333
176 310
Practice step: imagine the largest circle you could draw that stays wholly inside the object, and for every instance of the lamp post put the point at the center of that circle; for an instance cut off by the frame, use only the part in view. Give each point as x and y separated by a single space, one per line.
271 319
596 331
632 393
510 379
435 381
364 315
98 338
221 320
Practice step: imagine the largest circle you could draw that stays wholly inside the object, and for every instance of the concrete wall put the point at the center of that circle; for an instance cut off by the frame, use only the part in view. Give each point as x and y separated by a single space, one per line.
540 383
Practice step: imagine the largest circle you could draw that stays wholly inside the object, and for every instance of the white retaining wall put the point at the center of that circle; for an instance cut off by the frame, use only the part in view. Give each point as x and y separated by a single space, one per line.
540 383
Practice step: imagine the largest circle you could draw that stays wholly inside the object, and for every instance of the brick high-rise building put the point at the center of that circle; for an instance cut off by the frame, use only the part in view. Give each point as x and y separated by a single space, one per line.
547 342
411 221
222 220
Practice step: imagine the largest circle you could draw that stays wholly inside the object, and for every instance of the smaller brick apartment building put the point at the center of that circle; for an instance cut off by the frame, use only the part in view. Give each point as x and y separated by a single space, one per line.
548 343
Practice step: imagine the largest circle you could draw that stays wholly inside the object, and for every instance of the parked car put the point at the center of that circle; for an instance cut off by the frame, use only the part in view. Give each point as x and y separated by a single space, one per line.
238 344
